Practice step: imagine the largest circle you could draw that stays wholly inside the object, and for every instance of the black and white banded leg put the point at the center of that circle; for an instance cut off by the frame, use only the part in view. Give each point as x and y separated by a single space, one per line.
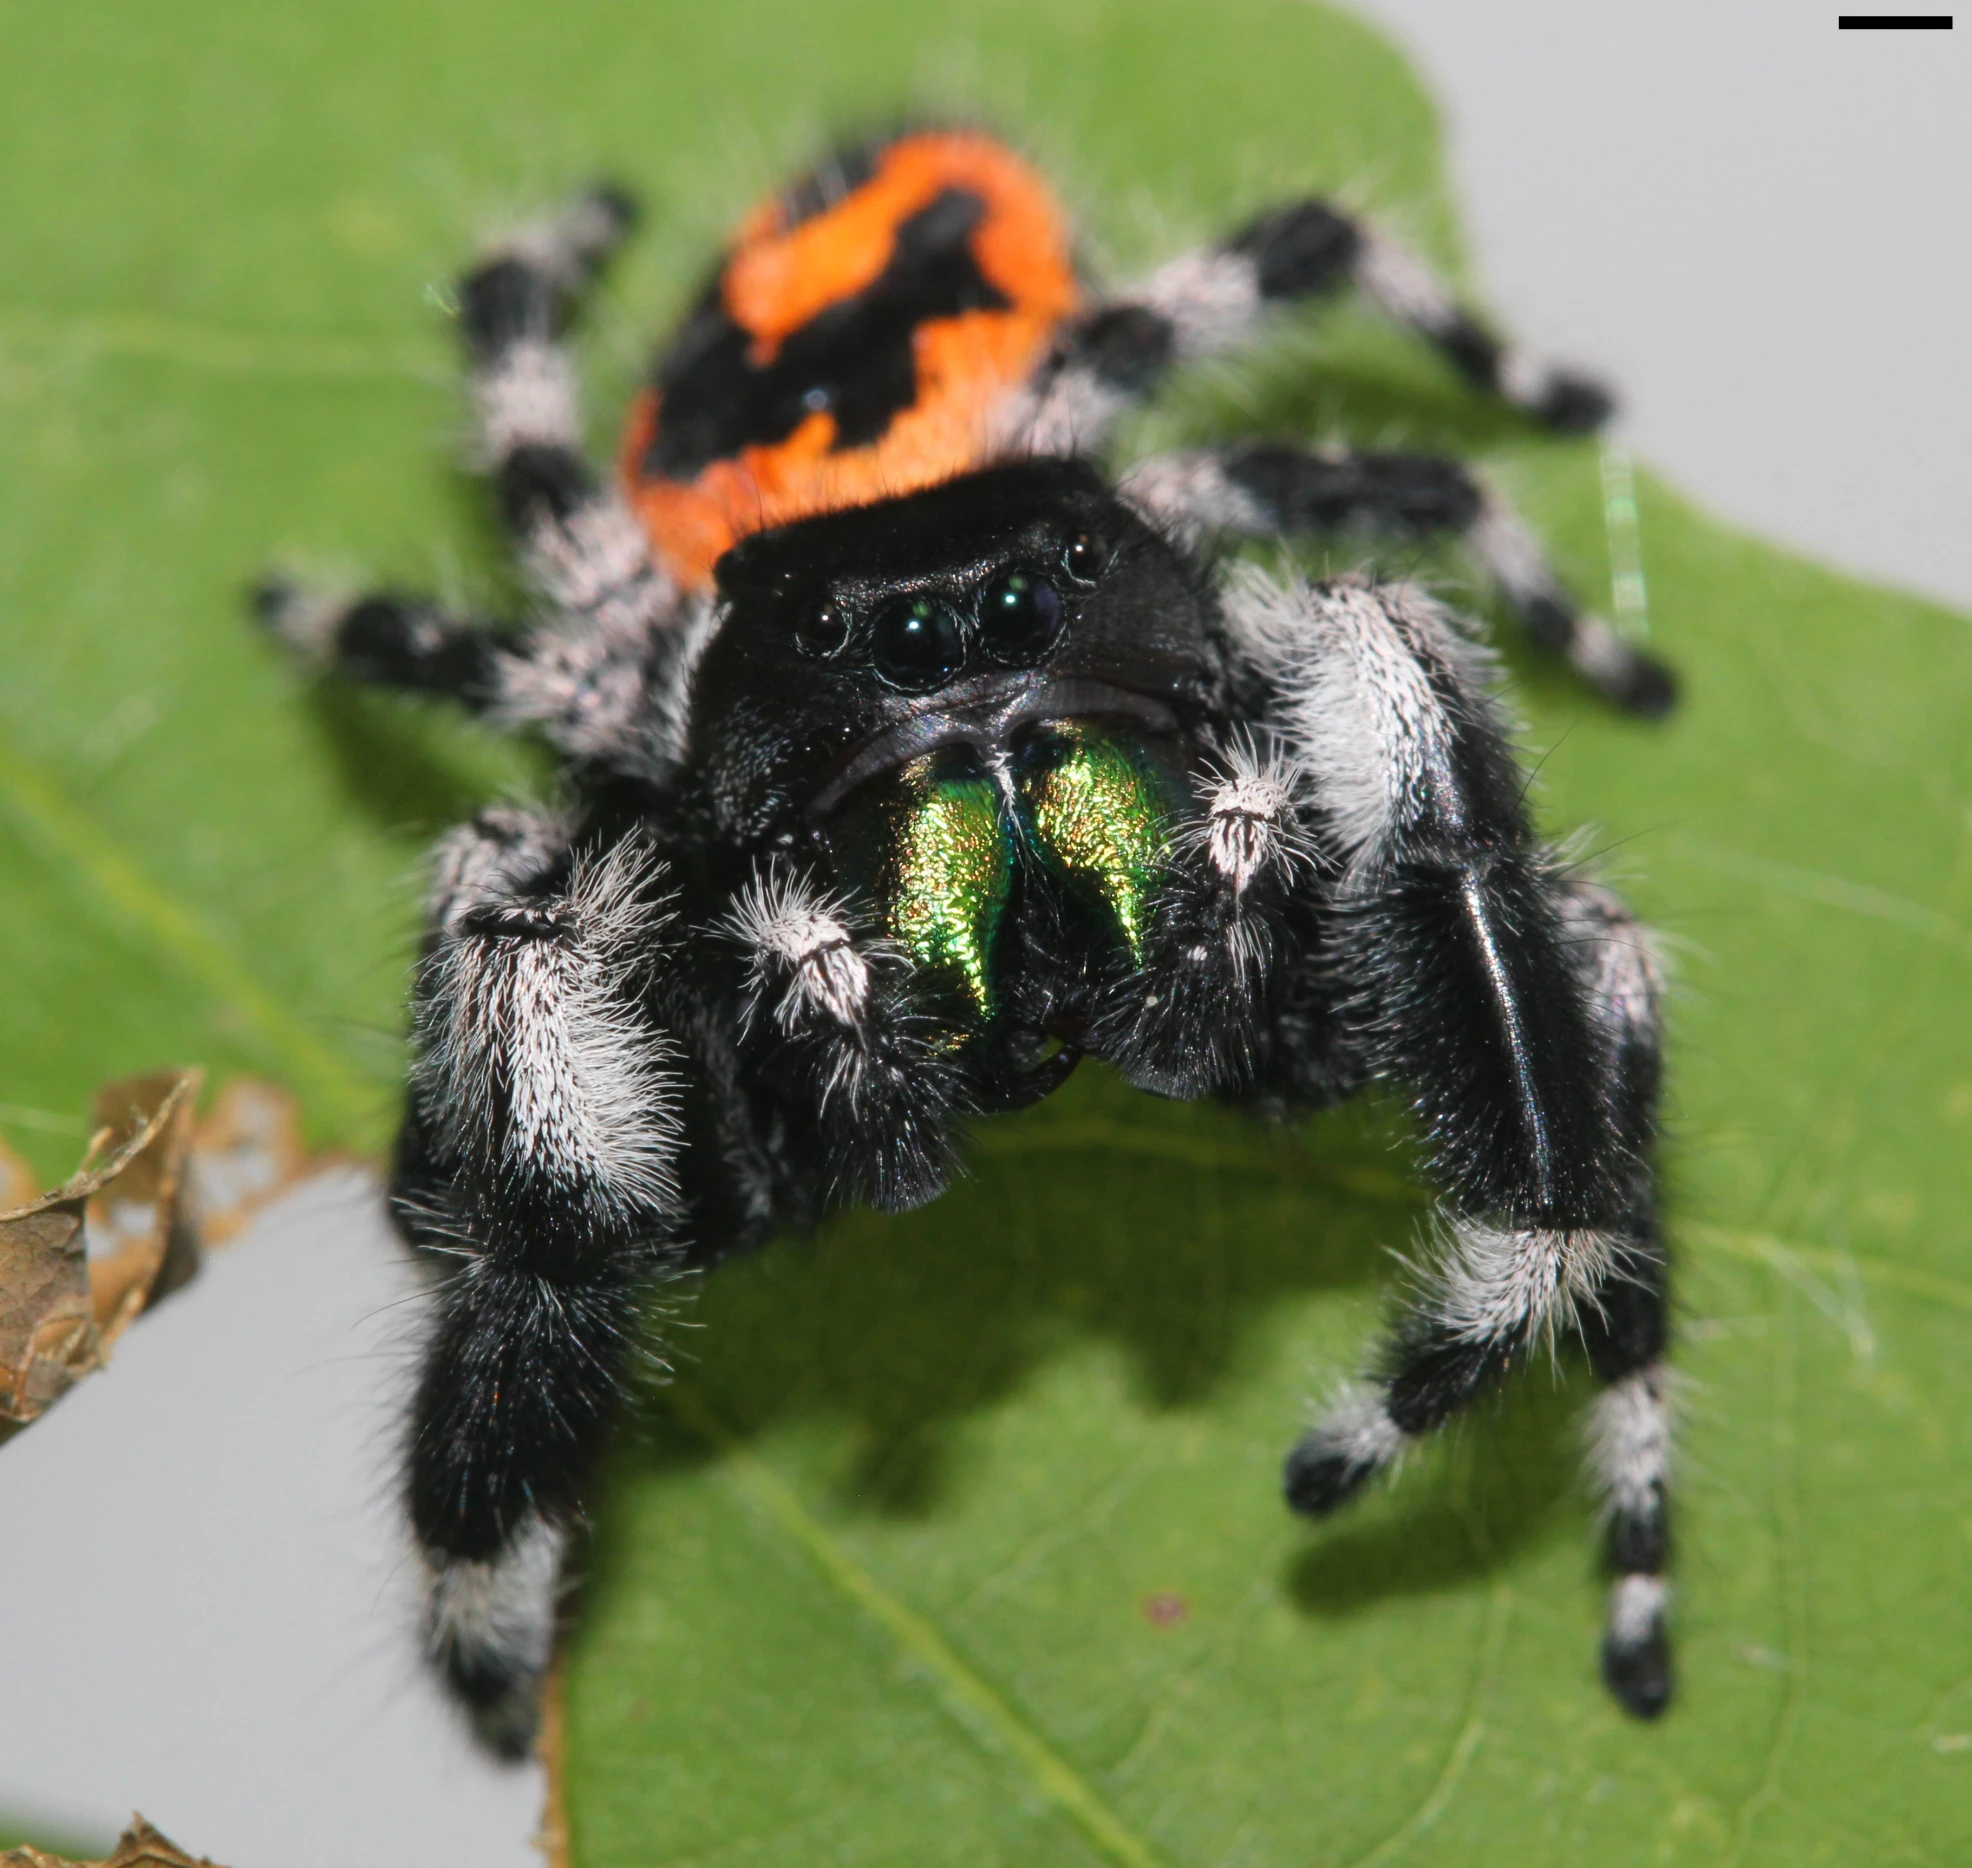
602 673
545 1110
838 1003
1186 1022
1264 489
1626 1330
577 539
1630 1443
391 638
1214 299
1402 286
1454 946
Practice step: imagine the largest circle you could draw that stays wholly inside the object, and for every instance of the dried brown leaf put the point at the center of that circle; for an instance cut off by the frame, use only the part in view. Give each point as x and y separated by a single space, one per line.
551 1747
60 1311
140 1846
80 1264
139 1225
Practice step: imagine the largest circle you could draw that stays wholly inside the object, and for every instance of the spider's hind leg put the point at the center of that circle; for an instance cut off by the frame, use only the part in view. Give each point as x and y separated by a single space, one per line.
1264 489
601 671
1216 298
584 552
578 542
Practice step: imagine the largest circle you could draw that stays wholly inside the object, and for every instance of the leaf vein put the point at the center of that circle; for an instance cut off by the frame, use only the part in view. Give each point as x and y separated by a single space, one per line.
973 1703
1471 1734
131 897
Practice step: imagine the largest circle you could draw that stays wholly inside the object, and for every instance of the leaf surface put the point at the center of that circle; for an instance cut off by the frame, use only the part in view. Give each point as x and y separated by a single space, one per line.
959 1538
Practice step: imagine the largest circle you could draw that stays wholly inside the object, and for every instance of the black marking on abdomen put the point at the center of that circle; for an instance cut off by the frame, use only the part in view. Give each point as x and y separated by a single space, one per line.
856 360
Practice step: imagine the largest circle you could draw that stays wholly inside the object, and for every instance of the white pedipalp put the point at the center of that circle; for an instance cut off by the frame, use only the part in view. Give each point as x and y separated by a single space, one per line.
796 931
1251 820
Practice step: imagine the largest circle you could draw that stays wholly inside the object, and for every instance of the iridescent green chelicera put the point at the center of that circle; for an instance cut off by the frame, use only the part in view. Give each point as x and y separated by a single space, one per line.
1085 812
1101 812
954 873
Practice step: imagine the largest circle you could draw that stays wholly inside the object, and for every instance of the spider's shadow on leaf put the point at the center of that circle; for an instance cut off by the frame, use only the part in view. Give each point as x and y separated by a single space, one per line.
1173 1235
414 765
1493 1489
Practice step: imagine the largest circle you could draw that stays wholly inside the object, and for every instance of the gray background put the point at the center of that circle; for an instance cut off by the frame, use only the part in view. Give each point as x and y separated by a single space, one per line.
1757 226
1753 223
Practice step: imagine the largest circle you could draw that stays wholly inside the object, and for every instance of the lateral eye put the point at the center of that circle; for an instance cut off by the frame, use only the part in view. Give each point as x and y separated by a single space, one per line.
822 630
917 644
1085 558
1020 617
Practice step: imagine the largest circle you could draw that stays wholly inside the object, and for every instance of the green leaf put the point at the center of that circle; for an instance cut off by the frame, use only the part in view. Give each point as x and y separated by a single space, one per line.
958 1539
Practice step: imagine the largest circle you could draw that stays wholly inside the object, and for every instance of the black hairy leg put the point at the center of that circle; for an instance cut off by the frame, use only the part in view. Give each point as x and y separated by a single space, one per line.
1214 299
540 1158
1447 941
1626 1329
1263 489
1473 975
389 638
515 305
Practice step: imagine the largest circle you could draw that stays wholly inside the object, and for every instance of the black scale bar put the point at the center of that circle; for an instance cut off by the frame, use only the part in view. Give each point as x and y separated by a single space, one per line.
1895 22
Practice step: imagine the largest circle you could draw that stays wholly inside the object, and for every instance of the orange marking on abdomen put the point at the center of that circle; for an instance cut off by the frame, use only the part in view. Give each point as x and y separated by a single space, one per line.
776 281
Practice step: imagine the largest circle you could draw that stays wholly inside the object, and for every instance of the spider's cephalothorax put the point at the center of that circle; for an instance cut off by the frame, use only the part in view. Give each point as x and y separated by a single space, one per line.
910 759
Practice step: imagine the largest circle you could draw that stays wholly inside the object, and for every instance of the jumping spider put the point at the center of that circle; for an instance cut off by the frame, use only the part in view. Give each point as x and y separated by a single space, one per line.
909 759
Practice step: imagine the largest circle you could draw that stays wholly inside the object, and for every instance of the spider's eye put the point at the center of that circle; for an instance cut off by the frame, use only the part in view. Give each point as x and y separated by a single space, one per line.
1020 617
918 645
1086 557
823 630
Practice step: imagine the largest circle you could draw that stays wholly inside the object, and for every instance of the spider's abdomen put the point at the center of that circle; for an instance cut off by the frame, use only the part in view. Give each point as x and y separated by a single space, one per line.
856 340
1018 882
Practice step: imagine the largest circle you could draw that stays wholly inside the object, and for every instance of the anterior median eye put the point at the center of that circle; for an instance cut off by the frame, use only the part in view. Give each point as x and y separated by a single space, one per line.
1020 617
917 645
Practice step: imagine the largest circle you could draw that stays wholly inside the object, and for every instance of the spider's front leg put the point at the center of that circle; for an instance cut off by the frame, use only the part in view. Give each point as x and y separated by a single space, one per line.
1519 1012
540 1154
